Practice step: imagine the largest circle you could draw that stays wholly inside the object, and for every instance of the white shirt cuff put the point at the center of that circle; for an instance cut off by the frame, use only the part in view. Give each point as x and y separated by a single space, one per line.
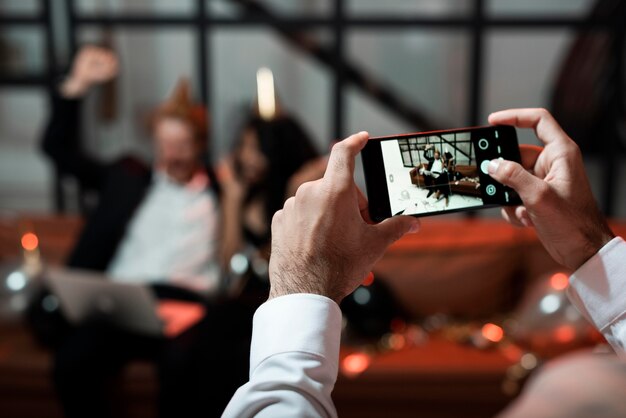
598 287
296 323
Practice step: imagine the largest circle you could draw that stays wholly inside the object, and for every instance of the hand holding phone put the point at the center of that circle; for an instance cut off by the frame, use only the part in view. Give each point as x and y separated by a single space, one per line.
437 172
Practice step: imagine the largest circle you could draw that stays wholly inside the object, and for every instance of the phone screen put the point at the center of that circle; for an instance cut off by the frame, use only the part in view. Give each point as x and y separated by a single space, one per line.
437 172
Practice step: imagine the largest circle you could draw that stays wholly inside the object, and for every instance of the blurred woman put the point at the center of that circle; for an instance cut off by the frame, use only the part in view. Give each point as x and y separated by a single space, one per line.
270 159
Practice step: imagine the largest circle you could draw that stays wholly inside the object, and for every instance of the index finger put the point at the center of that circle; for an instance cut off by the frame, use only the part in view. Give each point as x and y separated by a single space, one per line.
540 120
341 161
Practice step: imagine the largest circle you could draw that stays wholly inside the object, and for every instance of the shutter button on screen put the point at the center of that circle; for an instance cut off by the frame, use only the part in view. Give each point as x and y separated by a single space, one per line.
483 144
490 189
484 167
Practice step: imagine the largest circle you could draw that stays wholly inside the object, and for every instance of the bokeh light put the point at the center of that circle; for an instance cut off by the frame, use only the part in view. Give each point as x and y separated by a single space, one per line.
30 241
16 281
355 364
362 296
550 304
559 281
565 334
492 332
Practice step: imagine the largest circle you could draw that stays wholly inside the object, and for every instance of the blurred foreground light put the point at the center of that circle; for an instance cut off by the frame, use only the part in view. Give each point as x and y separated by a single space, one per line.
239 263
528 361
362 296
30 241
492 332
397 341
265 93
550 304
565 334
16 281
355 364
50 303
559 281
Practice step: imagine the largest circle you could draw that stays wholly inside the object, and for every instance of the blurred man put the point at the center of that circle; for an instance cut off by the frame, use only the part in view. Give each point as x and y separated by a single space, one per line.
157 224
295 348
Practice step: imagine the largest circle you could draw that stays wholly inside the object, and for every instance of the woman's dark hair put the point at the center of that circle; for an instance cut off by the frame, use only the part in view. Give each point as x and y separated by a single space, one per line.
287 148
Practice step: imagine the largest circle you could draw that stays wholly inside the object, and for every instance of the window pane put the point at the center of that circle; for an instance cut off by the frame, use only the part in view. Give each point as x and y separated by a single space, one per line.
426 70
25 176
539 7
20 7
520 70
136 6
406 158
22 51
303 85
409 7
280 8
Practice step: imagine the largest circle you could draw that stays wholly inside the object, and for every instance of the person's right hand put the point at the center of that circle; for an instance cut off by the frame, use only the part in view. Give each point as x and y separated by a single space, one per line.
555 191
92 65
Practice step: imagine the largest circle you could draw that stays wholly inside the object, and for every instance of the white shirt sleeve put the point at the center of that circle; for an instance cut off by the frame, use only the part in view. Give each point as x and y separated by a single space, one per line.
293 361
598 289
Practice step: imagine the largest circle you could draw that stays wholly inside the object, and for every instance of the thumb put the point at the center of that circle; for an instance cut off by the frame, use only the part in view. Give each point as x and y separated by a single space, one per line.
392 229
515 176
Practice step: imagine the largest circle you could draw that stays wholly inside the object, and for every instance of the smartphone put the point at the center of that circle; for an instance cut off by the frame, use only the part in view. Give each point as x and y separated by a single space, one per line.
431 173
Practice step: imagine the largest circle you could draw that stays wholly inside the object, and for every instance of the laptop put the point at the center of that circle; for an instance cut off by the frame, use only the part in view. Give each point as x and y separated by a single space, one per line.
86 295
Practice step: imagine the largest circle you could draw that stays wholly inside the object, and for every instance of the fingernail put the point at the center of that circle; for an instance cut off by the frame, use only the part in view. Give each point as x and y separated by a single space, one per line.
415 226
493 166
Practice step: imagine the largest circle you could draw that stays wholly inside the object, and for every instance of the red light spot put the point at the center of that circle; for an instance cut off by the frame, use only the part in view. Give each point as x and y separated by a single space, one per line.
369 279
512 353
29 241
564 334
559 281
492 332
397 342
355 364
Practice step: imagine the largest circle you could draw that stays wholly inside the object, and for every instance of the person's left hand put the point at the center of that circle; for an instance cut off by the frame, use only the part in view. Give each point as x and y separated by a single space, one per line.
323 241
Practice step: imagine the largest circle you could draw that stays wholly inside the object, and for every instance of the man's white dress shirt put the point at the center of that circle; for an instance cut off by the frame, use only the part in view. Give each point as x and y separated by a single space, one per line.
172 237
295 341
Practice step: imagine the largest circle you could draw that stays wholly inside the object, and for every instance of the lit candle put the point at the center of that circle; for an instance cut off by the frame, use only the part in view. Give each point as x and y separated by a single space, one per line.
265 93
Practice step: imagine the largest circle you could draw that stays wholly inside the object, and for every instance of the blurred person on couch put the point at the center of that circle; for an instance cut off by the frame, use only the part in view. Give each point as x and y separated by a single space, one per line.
270 158
158 224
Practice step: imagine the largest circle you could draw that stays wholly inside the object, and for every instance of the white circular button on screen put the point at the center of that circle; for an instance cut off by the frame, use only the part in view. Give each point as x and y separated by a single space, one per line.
484 166
483 144
490 189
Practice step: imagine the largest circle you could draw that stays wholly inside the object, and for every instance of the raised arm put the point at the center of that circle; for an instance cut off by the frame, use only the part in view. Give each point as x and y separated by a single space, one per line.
61 139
